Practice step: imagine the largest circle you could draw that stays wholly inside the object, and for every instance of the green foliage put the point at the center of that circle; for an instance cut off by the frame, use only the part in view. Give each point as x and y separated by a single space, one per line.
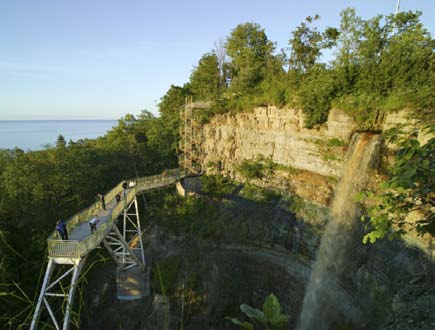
217 185
165 275
259 194
307 43
334 142
261 167
275 90
169 108
317 90
205 80
188 216
408 190
382 64
250 51
39 187
270 318
251 169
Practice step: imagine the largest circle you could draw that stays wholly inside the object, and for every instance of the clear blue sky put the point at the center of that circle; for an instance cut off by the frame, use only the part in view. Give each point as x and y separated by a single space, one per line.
101 59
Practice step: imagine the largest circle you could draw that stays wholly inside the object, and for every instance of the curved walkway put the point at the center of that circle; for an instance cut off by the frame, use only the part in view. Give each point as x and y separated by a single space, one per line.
81 241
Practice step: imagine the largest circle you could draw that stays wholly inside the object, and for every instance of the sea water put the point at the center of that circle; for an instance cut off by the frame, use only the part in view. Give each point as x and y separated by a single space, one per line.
36 134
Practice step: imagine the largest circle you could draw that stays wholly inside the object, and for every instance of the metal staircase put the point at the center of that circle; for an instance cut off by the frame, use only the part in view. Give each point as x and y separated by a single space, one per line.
191 137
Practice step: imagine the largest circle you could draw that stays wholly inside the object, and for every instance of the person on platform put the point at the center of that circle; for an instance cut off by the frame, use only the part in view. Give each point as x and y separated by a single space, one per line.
61 228
103 202
118 197
93 223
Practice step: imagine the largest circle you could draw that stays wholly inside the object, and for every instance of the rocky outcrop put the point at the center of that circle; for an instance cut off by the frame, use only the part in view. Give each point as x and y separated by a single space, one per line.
309 162
312 158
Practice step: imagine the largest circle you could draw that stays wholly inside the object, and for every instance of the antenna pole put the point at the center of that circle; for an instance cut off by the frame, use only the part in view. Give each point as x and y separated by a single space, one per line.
398 6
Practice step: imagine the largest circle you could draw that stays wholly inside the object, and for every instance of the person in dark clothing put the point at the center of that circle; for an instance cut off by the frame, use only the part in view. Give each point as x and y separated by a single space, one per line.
103 202
93 223
125 186
61 228
118 197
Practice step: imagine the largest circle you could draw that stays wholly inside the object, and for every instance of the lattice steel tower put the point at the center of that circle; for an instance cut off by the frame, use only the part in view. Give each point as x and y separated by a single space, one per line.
191 137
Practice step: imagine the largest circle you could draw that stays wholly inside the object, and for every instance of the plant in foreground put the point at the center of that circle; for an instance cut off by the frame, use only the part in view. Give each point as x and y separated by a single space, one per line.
270 318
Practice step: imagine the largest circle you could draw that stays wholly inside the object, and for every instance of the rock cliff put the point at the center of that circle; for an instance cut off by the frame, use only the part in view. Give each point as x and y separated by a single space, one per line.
309 160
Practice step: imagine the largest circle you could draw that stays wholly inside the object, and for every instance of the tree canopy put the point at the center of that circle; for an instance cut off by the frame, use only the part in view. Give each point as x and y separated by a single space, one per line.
374 66
39 187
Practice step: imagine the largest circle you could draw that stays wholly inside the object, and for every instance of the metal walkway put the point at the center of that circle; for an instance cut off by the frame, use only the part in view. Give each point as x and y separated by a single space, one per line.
121 237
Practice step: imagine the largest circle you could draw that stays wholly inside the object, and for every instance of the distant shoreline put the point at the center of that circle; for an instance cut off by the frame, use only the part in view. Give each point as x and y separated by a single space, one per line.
3 120
36 134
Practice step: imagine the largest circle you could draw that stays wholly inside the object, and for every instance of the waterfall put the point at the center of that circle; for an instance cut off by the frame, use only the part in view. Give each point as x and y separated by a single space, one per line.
327 302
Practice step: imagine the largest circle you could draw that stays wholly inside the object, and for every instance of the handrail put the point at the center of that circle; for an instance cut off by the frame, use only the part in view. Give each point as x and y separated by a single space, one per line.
77 249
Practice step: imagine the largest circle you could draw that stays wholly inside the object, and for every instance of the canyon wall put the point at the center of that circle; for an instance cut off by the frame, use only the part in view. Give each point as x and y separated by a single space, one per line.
309 160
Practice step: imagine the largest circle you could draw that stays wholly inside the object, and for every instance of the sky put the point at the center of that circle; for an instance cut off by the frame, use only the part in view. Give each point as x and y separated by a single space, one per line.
102 59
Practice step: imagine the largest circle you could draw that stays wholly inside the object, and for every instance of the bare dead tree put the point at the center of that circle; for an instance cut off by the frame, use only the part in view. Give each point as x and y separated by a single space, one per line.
221 54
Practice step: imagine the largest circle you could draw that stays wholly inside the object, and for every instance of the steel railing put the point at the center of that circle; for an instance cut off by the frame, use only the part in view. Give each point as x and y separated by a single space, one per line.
77 249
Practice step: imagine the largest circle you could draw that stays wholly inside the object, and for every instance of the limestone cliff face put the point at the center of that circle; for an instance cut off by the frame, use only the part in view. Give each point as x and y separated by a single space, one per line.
310 160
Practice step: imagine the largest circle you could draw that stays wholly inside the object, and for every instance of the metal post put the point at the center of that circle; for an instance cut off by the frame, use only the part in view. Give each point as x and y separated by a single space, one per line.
124 224
185 136
139 231
75 277
125 244
47 276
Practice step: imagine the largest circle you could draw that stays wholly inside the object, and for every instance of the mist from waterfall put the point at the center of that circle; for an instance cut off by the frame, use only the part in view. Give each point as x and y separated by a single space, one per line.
327 301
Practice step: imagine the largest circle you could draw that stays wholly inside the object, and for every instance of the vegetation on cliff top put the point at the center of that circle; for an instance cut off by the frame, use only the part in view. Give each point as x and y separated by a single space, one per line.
378 65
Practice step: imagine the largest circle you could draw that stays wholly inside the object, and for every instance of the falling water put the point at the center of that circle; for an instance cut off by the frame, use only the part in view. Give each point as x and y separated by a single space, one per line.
327 301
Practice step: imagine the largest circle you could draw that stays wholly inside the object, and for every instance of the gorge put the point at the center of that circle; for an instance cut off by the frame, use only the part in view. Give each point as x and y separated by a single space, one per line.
244 244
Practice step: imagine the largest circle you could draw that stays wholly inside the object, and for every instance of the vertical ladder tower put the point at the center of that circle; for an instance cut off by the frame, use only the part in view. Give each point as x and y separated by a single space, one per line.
191 137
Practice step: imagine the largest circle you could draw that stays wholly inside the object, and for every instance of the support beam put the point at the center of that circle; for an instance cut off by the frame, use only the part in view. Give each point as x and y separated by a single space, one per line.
47 277
74 280
127 247
67 299
139 232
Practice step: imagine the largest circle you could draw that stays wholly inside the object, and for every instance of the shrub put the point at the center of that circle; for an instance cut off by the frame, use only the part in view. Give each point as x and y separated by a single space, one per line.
251 170
259 194
165 274
217 185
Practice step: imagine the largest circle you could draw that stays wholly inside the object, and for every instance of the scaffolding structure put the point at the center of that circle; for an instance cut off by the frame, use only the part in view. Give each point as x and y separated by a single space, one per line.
191 137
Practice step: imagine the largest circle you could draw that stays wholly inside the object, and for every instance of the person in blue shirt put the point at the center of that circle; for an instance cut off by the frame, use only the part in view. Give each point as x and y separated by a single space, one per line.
61 228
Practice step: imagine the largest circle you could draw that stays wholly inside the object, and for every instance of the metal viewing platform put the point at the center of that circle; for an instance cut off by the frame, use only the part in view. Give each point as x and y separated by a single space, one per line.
120 236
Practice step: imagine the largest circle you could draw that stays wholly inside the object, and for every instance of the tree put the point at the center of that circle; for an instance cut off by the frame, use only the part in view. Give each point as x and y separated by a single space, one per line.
169 108
38 187
60 142
347 60
407 64
307 43
221 54
250 51
205 80
306 47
